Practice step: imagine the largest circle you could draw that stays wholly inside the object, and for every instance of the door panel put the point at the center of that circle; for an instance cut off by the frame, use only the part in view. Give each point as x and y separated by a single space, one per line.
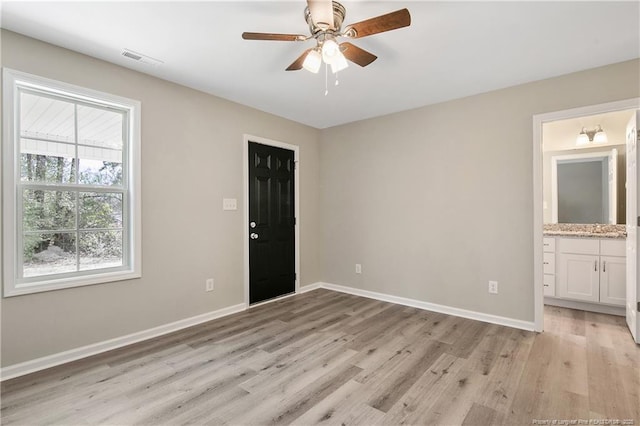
632 228
271 208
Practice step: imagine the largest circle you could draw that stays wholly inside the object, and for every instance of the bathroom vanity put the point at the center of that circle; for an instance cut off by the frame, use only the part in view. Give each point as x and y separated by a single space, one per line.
585 267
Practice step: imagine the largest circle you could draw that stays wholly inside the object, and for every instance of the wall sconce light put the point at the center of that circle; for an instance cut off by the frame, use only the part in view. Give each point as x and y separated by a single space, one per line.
596 135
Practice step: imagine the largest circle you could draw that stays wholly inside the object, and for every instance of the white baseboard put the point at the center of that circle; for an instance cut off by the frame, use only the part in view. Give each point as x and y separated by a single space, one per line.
49 361
479 316
586 306
310 287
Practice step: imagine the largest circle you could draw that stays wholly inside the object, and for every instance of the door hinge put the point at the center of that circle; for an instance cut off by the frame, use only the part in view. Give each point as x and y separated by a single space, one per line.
638 307
295 221
295 278
638 220
295 165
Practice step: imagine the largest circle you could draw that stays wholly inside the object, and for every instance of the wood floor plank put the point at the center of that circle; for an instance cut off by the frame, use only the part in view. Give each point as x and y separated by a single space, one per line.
418 401
343 406
395 384
605 378
506 372
325 357
487 350
295 333
453 404
481 415
314 360
281 408
533 395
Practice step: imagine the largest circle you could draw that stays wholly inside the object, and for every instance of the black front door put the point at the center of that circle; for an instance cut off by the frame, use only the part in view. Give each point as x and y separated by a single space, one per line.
271 222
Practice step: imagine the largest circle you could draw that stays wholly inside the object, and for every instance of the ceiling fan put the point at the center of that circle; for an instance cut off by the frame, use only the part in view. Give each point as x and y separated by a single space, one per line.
325 18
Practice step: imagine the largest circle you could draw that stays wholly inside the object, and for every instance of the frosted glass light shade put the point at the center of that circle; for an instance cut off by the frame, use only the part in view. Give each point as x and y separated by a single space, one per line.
583 138
330 51
339 63
312 62
600 136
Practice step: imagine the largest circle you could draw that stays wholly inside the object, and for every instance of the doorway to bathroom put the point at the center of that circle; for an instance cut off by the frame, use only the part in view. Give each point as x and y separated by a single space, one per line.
585 211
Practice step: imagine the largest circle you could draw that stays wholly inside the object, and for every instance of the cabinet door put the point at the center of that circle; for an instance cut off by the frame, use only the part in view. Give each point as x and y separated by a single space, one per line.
578 277
613 288
549 285
549 244
549 262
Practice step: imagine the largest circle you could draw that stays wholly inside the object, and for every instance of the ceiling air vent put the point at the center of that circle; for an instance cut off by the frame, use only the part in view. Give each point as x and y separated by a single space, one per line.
139 57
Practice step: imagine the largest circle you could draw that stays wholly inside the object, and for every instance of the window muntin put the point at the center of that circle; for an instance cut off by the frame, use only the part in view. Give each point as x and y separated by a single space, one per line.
74 215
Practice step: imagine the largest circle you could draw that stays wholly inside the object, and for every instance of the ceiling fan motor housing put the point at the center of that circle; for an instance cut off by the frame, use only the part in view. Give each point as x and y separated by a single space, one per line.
339 12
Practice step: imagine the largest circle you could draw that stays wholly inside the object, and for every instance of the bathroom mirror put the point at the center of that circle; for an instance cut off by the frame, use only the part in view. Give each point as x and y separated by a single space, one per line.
584 187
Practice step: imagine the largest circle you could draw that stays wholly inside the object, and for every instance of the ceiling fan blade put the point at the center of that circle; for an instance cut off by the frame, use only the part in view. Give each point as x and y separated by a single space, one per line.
297 64
357 55
273 37
321 12
391 21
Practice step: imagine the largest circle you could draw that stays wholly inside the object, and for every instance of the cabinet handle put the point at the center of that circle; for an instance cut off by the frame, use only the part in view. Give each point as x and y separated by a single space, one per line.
604 266
595 265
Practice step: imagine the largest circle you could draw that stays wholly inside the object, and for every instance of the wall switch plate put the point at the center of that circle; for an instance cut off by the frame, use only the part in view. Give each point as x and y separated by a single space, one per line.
229 204
358 268
208 286
493 287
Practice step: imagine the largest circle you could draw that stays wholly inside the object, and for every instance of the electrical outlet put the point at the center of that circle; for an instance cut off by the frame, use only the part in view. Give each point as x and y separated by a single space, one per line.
208 285
358 268
493 287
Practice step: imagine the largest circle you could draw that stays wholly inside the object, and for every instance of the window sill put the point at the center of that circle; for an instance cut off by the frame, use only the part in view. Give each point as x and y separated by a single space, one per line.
62 283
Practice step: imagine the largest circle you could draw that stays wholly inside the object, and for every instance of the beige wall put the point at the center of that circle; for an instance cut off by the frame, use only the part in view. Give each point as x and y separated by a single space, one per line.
436 201
191 159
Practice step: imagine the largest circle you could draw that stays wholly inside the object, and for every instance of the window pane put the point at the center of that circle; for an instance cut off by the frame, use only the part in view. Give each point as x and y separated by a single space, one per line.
100 127
47 169
46 118
100 249
49 253
100 210
48 210
100 172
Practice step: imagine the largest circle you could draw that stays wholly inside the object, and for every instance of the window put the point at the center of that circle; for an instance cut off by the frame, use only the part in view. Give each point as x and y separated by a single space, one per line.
71 179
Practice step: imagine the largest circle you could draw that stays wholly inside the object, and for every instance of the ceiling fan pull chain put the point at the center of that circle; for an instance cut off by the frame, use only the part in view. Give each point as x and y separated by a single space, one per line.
326 79
337 81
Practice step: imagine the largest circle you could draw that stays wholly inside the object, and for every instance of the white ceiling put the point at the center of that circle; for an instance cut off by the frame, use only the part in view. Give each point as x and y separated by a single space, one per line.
451 50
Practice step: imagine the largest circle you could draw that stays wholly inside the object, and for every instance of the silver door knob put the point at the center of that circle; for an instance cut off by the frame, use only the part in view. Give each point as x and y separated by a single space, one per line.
254 236
252 224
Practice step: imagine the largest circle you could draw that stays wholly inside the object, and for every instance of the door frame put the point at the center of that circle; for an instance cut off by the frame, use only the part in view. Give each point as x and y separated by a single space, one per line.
538 218
246 138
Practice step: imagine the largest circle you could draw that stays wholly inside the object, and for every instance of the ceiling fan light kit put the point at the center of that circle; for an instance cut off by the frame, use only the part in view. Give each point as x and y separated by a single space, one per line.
313 61
325 18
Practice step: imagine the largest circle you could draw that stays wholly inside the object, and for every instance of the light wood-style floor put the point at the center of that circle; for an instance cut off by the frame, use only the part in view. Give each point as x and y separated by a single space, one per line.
331 358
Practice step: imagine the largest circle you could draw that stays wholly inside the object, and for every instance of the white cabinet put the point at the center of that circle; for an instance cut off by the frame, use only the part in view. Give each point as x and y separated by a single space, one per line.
591 270
578 277
612 280
549 259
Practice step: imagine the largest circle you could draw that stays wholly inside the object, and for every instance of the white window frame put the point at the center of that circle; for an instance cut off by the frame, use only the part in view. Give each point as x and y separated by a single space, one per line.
132 244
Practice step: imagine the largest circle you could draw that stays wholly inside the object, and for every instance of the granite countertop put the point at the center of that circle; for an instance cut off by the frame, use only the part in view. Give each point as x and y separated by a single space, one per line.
585 230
